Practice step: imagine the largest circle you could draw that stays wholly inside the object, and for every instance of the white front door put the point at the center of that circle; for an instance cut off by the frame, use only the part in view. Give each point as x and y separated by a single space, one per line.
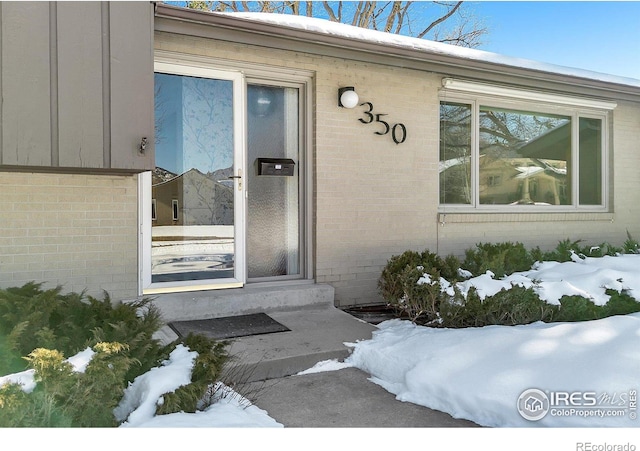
196 195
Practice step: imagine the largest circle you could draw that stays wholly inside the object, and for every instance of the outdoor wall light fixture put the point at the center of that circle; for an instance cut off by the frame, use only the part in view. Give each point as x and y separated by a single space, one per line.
347 97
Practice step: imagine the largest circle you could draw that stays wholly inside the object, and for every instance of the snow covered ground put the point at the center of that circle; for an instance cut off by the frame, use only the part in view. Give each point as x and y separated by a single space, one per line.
542 375
573 374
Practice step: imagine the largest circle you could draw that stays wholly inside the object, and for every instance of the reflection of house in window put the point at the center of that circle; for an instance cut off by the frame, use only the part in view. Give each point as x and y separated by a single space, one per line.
494 180
193 198
533 188
562 189
174 209
153 209
522 181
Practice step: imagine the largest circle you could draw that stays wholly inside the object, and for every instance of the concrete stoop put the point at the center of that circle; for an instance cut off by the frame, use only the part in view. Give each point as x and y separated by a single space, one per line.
315 334
318 330
241 301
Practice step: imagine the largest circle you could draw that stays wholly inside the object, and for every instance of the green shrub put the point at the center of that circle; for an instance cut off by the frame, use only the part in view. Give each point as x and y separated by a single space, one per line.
31 318
392 287
207 368
562 252
66 398
459 311
11 361
37 409
565 248
46 325
400 287
499 258
631 246
422 294
411 283
577 308
620 304
517 305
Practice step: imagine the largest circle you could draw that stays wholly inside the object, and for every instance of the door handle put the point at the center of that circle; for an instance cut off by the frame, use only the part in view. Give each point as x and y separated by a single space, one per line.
239 176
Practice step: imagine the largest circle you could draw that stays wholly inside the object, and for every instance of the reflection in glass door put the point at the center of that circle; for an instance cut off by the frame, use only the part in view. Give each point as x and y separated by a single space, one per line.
197 186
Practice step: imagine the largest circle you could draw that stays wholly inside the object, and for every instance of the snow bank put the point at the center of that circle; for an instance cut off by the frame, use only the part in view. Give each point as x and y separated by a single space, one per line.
138 406
479 373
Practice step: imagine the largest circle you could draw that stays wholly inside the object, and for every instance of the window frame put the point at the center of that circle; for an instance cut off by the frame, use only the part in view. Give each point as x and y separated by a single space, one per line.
516 100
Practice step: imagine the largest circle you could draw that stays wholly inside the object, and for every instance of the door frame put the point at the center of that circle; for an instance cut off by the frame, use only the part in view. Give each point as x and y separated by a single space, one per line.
239 188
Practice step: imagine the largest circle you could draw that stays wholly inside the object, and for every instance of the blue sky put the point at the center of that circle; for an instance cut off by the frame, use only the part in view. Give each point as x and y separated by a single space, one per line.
602 36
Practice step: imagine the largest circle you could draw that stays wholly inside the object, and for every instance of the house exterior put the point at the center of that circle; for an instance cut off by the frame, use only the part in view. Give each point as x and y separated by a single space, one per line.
205 159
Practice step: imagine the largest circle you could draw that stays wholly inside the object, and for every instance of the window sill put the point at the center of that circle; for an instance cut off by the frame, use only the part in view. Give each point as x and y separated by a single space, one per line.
484 217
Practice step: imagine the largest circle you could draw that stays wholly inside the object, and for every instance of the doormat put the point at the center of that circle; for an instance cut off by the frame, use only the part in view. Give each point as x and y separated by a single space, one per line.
229 326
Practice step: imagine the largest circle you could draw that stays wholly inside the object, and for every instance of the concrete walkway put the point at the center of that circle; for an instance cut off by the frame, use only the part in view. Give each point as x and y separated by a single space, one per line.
341 399
344 398
264 367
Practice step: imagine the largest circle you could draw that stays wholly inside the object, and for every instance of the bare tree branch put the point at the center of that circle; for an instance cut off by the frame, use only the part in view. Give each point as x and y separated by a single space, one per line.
391 18
356 14
329 10
440 20
399 17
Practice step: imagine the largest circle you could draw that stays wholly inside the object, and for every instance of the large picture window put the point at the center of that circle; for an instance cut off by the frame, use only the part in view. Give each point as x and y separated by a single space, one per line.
515 155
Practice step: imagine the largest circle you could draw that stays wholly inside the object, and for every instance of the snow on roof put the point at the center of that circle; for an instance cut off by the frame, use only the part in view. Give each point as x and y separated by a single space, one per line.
528 171
326 27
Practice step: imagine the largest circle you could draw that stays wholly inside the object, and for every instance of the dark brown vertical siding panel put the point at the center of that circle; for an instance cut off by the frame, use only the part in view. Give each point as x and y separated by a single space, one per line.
53 78
1 92
26 90
106 86
131 47
80 84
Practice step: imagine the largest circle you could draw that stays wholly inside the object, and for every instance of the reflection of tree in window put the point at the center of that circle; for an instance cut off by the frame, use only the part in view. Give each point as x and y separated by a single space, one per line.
455 153
531 150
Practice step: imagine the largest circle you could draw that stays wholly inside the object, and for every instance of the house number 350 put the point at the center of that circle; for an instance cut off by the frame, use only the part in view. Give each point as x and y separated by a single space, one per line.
398 131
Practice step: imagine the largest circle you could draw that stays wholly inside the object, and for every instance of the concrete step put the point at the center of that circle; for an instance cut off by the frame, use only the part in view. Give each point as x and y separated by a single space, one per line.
240 301
316 333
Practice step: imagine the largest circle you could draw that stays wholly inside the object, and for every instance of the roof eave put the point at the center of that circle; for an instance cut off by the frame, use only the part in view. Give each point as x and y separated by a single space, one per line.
244 30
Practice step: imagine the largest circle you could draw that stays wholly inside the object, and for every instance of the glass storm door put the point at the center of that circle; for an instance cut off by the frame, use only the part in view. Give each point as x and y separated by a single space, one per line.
197 188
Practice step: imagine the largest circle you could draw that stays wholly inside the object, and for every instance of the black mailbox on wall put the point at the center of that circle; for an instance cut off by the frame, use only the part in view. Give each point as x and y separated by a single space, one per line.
275 166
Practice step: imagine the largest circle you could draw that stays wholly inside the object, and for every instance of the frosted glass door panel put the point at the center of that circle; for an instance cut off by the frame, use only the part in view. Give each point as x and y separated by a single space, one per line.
273 237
